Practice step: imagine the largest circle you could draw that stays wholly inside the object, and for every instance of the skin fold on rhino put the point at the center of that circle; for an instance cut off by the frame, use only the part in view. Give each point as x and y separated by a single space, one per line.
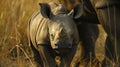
53 35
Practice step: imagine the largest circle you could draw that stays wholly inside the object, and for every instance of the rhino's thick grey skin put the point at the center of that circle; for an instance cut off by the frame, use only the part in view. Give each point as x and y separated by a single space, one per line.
108 14
52 32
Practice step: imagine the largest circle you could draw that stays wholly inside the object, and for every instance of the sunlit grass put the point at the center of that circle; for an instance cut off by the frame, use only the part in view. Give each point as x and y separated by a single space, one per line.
14 16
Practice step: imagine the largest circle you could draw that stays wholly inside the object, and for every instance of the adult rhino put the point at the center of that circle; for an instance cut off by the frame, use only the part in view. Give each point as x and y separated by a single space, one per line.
108 14
53 35
105 12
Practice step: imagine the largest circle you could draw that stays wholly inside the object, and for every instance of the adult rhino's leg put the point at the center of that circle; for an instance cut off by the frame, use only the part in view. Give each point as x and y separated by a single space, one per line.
109 14
88 34
47 54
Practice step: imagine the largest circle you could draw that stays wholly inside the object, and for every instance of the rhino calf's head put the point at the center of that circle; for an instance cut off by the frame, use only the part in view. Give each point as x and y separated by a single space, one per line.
62 29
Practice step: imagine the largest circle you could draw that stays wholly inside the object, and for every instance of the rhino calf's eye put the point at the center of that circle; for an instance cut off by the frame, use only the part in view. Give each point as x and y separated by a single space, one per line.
52 36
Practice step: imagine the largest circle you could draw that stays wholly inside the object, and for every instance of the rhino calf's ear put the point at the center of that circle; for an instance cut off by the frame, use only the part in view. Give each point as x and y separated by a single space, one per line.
45 10
77 11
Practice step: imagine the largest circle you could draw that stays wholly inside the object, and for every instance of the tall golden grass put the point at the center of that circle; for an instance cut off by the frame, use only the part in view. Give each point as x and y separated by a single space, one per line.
14 16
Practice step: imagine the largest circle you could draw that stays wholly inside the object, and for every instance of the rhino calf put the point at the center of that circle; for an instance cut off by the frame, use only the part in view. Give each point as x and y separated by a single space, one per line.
53 33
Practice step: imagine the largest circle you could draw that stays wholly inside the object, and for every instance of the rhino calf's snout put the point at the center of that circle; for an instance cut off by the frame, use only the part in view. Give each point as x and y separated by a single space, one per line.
63 44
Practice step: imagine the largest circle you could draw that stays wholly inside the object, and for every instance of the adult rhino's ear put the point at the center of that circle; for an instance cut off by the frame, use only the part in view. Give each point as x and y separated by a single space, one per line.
45 10
77 11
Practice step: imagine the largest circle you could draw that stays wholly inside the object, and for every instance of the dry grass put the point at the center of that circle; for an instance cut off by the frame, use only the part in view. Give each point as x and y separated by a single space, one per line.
14 16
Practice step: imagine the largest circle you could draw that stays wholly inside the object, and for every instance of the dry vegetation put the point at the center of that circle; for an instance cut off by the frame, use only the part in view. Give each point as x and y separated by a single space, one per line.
14 16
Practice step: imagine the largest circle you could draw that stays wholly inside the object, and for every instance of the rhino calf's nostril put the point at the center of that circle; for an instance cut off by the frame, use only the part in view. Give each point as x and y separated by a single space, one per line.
55 44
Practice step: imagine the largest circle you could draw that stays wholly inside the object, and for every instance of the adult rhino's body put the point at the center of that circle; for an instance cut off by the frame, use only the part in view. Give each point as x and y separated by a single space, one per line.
53 36
108 14
105 12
